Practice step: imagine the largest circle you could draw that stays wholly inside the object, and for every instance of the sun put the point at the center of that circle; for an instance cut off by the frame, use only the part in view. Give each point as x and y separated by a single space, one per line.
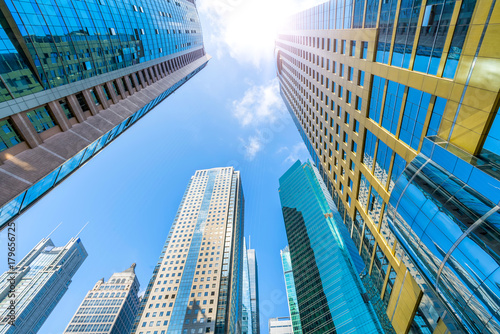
248 28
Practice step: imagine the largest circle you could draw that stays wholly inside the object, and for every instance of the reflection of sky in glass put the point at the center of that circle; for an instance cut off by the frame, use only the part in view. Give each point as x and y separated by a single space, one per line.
493 140
437 17
433 213
414 116
458 40
392 107
405 32
377 97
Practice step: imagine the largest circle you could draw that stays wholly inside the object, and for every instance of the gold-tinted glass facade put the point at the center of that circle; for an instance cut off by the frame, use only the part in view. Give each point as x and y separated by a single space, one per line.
366 82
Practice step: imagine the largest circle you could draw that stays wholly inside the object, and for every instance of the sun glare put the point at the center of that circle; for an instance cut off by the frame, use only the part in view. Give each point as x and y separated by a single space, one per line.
252 26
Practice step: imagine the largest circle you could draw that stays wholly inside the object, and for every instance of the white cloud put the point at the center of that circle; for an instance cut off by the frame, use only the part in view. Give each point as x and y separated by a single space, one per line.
261 104
298 151
252 147
246 29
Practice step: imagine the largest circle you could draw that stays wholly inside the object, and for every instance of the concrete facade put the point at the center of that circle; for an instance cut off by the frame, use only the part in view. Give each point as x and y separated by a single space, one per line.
197 284
109 307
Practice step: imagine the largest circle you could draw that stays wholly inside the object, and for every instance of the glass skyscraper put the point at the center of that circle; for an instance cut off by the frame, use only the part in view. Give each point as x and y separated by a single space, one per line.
253 271
110 307
325 263
75 74
41 279
291 293
197 283
246 318
397 102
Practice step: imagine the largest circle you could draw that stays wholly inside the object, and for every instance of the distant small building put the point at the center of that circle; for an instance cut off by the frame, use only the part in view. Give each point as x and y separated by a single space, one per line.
282 325
110 307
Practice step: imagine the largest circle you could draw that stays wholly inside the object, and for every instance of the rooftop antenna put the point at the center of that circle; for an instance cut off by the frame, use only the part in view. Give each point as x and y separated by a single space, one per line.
53 231
81 229
249 242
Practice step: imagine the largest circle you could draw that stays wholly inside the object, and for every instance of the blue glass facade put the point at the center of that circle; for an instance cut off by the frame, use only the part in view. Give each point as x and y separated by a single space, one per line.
40 188
246 309
66 41
324 259
291 293
445 214
64 63
40 280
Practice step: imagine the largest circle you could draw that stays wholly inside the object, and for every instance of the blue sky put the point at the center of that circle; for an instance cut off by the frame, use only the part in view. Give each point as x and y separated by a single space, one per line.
229 114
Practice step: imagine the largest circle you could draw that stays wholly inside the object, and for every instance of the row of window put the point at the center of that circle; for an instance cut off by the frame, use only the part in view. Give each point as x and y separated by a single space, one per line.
341 46
89 328
42 118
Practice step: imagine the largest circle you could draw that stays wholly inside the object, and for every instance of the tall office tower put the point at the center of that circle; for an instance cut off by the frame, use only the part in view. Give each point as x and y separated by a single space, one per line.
196 285
293 306
281 325
41 279
325 263
246 318
254 289
110 307
375 87
75 74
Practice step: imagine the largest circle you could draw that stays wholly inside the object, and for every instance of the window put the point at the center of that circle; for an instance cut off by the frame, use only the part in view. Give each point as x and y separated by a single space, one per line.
353 48
377 97
414 114
350 73
356 126
66 109
352 166
105 90
82 102
437 18
361 78
392 106
359 103
343 47
8 135
94 97
364 50
41 119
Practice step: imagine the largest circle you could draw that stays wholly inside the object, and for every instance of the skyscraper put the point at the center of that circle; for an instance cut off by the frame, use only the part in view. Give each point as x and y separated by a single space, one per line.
75 74
397 102
110 307
254 289
41 279
291 294
196 285
246 318
281 325
325 263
